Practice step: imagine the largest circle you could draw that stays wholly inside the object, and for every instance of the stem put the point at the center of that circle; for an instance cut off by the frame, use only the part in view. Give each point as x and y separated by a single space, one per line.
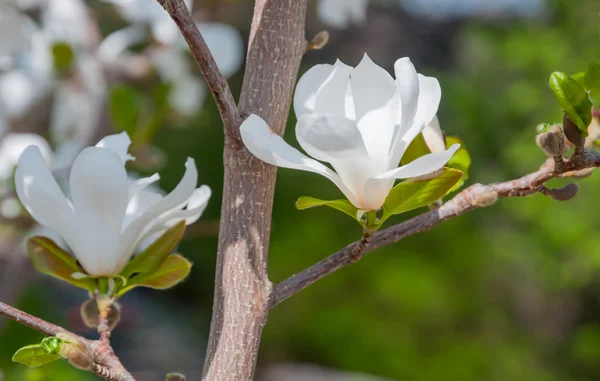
242 288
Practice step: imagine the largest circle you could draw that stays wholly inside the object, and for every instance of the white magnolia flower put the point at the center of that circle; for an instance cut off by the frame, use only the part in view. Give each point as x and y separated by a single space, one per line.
342 13
100 222
360 121
15 31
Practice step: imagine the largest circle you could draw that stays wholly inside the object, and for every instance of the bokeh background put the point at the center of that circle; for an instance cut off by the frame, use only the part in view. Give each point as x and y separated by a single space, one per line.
510 292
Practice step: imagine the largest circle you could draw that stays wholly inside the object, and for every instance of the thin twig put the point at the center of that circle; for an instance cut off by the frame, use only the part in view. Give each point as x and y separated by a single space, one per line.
217 84
474 197
103 360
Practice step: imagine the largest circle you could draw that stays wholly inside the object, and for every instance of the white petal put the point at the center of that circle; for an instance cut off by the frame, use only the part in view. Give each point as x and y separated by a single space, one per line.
271 148
187 95
330 137
170 63
407 81
139 185
134 231
165 31
66 21
194 209
18 91
430 94
305 97
100 192
119 144
434 136
342 13
116 43
421 166
331 96
226 45
376 106
40 194
13 145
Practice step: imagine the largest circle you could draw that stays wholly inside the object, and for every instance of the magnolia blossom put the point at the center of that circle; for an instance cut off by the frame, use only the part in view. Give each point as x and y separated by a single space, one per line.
342 13
12 146
102 221
434 136
360 120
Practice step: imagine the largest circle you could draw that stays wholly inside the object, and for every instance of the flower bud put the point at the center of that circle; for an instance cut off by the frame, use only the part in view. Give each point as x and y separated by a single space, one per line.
89 314
319 41
78 358
552 142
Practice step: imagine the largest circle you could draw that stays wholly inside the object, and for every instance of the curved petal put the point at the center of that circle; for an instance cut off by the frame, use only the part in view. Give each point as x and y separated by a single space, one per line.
430 94
40 194
407 82
119 144
194 209
330 137
376 106
13 145
332 94
271 148
165 31
305 97
137 186
421 166
118 42
100 192
226 45
178 197
434 136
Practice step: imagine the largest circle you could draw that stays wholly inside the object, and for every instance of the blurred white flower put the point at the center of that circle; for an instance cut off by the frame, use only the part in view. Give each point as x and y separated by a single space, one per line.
13 145
16 30
342 13
360 121
103 222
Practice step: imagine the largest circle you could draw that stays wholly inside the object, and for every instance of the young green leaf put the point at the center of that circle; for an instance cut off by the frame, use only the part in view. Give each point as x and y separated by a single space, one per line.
573 100
48 258
154 255
592 82
343 206
461 160
39 354
415 150
172 271
413 194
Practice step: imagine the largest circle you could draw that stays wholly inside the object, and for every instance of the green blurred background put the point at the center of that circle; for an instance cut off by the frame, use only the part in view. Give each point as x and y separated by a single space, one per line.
510 292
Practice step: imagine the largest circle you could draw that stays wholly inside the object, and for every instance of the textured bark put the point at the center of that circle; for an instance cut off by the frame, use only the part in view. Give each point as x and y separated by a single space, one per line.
242 287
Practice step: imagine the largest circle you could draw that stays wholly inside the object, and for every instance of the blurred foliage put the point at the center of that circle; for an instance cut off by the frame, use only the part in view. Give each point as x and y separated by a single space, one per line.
510 292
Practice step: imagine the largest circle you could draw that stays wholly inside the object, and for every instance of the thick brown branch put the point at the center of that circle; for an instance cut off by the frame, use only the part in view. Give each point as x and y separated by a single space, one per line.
474 197
218 86
94 356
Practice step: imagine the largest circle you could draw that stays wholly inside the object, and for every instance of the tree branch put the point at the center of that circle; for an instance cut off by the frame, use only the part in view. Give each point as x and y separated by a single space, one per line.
242 287
217 84
96 356
474 197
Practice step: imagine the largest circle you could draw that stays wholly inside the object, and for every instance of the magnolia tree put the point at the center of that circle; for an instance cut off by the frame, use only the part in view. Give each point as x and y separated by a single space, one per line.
114 233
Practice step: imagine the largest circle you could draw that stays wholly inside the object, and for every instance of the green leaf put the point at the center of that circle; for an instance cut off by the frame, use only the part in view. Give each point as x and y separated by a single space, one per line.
125 108
39 354
48 258
172 271
573 101
592 82
343 206
413 194
150 259
62 56
461 160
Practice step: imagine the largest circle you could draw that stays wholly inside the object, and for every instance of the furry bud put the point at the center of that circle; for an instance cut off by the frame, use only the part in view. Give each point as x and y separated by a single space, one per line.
552 142
319 41
89 314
